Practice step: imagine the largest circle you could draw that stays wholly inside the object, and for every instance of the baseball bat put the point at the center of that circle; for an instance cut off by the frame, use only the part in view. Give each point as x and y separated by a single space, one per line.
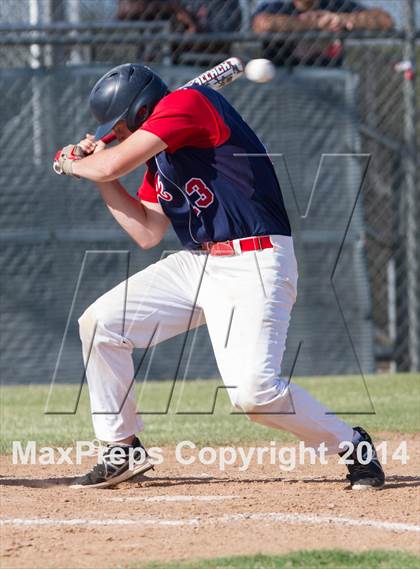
217 77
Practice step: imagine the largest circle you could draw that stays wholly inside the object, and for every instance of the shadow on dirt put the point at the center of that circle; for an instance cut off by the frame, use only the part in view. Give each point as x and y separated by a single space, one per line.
393 482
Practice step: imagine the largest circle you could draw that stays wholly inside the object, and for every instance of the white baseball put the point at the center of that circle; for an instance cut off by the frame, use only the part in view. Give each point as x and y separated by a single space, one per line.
260 70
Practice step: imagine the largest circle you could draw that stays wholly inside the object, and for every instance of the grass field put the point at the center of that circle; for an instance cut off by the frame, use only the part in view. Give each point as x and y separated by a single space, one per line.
395 398
303 560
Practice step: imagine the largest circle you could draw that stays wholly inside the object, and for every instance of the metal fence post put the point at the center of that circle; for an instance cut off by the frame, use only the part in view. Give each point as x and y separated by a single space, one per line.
411 194
35 62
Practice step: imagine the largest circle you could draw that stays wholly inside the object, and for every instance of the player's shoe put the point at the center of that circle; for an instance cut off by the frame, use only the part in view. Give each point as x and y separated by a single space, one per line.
114 466
363 476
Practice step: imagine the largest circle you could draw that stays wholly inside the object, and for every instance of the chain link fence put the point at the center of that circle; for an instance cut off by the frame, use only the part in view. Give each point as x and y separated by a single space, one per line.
339 120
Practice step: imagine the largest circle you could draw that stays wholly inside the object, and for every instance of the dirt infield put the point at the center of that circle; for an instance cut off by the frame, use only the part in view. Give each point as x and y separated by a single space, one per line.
187 512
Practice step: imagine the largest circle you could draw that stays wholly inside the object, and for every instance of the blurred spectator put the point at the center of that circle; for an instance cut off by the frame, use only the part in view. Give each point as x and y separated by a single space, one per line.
324 15
216 15
172 11
205 16
213 16
151 10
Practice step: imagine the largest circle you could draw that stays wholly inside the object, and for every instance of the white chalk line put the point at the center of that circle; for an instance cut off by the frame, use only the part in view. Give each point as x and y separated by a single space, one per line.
228 518
171 498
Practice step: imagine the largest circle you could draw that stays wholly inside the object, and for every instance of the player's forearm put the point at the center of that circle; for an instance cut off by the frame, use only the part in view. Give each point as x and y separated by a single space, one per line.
100 167
112 163
271 23
375 19
370 20
129 213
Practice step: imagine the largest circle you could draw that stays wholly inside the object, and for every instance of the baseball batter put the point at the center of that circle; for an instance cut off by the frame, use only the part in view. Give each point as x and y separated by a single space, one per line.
209 176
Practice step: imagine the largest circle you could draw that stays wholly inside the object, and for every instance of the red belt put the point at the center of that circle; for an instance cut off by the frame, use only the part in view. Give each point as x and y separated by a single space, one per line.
239 245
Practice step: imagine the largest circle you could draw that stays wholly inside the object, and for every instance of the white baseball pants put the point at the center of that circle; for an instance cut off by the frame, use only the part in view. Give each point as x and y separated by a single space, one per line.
245 300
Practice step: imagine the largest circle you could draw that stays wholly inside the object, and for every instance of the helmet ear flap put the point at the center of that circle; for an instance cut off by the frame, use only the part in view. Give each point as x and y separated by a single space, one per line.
137 114
142 106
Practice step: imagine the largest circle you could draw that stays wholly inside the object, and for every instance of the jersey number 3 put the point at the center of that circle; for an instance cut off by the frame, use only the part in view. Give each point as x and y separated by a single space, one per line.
201 195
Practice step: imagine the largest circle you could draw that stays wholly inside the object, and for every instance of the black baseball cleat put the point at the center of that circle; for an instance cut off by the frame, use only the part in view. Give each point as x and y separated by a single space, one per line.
366 470
114 466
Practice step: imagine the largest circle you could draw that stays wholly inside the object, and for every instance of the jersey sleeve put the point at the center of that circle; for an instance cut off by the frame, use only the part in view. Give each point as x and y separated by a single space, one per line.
282 8
187 118
279 8
147 191
350 6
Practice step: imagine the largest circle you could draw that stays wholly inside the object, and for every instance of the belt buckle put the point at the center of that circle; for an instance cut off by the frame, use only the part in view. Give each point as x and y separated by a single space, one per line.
222 249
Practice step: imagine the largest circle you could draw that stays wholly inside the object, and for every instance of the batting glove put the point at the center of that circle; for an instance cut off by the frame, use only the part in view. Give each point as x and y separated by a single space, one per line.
63 160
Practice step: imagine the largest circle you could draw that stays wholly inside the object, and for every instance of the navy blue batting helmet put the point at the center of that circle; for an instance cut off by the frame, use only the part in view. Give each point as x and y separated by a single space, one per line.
130 92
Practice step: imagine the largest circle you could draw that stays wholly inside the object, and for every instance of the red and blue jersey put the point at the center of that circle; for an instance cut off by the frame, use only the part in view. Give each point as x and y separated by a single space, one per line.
214 181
